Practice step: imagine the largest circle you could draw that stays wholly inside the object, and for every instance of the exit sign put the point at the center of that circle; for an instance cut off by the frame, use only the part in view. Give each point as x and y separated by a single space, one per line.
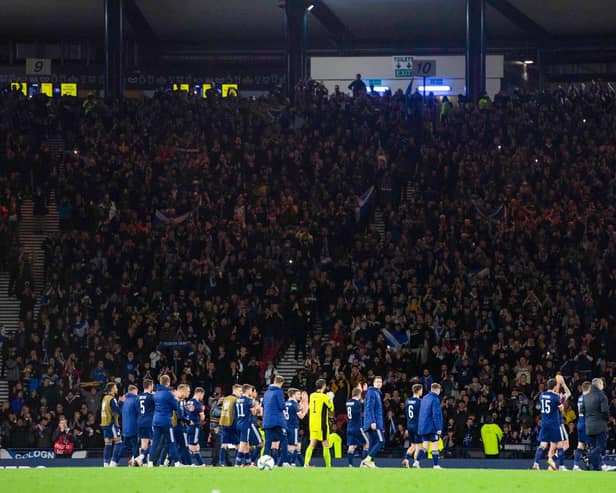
401 73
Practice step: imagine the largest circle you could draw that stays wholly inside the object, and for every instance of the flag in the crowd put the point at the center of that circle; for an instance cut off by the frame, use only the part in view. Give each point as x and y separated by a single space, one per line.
396 340
363 204
162 219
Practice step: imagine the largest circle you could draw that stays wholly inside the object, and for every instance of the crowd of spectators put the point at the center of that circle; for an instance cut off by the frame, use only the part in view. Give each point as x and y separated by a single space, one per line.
199 237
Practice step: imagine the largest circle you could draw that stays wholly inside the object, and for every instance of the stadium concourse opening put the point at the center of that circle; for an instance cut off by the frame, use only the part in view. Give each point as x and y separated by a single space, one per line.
250 266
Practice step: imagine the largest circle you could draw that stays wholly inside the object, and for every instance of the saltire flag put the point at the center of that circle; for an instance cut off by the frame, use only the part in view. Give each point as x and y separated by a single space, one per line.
363 204
162 219
396 340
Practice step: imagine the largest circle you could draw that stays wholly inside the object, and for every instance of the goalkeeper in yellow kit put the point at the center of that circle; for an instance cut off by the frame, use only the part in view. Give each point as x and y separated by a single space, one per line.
320 404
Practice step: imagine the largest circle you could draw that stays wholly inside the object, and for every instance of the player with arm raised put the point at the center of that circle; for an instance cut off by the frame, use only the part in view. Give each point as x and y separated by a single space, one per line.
356 438
412 407
431 423
373 422
145 402
110 422
551 430
318 422
563 445
245 409
581 427
194 415
296 408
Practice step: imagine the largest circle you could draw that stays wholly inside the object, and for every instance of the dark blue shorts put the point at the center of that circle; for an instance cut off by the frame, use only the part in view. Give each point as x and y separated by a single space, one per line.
229 435
582 433
276 434
192 435
432 437
145 433
251 435
414 437
293 434
110 432
356 438
553 434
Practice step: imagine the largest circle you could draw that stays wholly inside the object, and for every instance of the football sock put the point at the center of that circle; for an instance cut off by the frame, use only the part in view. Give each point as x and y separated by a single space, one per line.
239 458
435 457
577 455
421 454
561 456
254 455
107 452
309 450
298 458
117 452
408 457
275 455
196 458
327 457
350 457
539 454
222 457
364 454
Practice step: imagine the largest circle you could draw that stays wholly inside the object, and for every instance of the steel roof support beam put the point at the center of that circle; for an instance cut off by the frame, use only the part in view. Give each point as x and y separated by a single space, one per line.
114 48
475 49
338 31
295 18
519 18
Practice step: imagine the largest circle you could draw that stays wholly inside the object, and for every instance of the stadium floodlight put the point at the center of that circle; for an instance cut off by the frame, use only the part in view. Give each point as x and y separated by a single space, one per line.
528 62
434 88
310 7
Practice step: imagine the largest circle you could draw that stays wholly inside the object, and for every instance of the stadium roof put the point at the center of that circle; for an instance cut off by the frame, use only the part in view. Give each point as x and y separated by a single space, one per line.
369 23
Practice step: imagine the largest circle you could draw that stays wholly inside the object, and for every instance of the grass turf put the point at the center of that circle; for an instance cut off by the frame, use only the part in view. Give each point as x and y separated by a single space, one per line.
298 480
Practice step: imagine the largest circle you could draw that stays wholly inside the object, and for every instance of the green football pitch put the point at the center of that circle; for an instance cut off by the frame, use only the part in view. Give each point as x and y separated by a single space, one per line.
338 480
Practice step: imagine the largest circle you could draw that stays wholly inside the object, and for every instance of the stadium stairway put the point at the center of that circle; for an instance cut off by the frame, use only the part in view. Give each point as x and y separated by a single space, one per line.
31 238
379 224
56 148
9 314
288 366
4 391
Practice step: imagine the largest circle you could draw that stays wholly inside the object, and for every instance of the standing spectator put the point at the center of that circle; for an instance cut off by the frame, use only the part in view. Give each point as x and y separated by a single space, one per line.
358 86
595 407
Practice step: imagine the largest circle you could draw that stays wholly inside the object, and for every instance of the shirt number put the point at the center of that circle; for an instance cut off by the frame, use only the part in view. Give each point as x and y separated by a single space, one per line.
350 413
546 406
